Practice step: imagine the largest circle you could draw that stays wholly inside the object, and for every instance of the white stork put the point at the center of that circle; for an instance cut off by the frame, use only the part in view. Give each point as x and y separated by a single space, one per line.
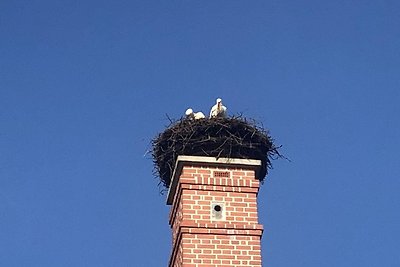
218 110
194 115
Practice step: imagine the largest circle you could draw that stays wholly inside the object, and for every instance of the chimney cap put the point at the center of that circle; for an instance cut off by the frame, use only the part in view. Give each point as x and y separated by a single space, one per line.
208 161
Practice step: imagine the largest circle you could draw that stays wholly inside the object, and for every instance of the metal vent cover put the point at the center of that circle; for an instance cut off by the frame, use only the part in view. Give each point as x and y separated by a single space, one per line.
222 174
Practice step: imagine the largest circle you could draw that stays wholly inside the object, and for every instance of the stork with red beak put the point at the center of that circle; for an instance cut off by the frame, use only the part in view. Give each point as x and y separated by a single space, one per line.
218 110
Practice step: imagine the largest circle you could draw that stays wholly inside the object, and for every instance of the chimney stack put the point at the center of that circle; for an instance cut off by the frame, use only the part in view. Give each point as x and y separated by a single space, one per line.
213 214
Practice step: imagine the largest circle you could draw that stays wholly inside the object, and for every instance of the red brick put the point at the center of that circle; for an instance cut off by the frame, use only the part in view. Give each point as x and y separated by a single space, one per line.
199 241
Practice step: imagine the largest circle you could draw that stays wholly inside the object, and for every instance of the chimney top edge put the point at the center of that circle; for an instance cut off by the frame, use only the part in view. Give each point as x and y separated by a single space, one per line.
182 159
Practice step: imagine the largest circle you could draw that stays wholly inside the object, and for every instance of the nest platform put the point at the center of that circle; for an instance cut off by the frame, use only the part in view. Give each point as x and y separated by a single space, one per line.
233 137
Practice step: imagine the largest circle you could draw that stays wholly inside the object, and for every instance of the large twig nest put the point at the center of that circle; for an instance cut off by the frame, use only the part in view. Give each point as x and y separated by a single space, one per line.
234 137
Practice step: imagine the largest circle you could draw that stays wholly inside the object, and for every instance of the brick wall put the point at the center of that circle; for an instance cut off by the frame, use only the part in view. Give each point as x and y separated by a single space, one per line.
214 216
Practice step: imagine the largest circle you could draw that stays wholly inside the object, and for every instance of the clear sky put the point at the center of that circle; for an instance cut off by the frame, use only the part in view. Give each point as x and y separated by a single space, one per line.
85 86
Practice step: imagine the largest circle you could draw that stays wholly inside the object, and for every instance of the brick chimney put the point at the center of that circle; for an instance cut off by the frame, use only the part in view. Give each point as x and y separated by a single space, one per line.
213 214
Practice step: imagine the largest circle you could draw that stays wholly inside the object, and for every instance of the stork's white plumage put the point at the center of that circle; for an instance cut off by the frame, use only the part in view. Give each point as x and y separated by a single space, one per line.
218 110
194 115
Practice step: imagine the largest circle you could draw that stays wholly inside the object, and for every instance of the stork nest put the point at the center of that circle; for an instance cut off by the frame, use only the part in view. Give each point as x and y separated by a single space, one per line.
234 137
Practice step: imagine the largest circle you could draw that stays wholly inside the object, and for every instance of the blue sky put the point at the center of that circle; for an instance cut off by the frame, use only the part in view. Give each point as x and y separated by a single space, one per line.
85 86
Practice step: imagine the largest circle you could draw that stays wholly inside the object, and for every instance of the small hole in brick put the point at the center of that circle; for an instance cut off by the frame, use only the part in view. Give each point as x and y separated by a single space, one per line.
217 208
